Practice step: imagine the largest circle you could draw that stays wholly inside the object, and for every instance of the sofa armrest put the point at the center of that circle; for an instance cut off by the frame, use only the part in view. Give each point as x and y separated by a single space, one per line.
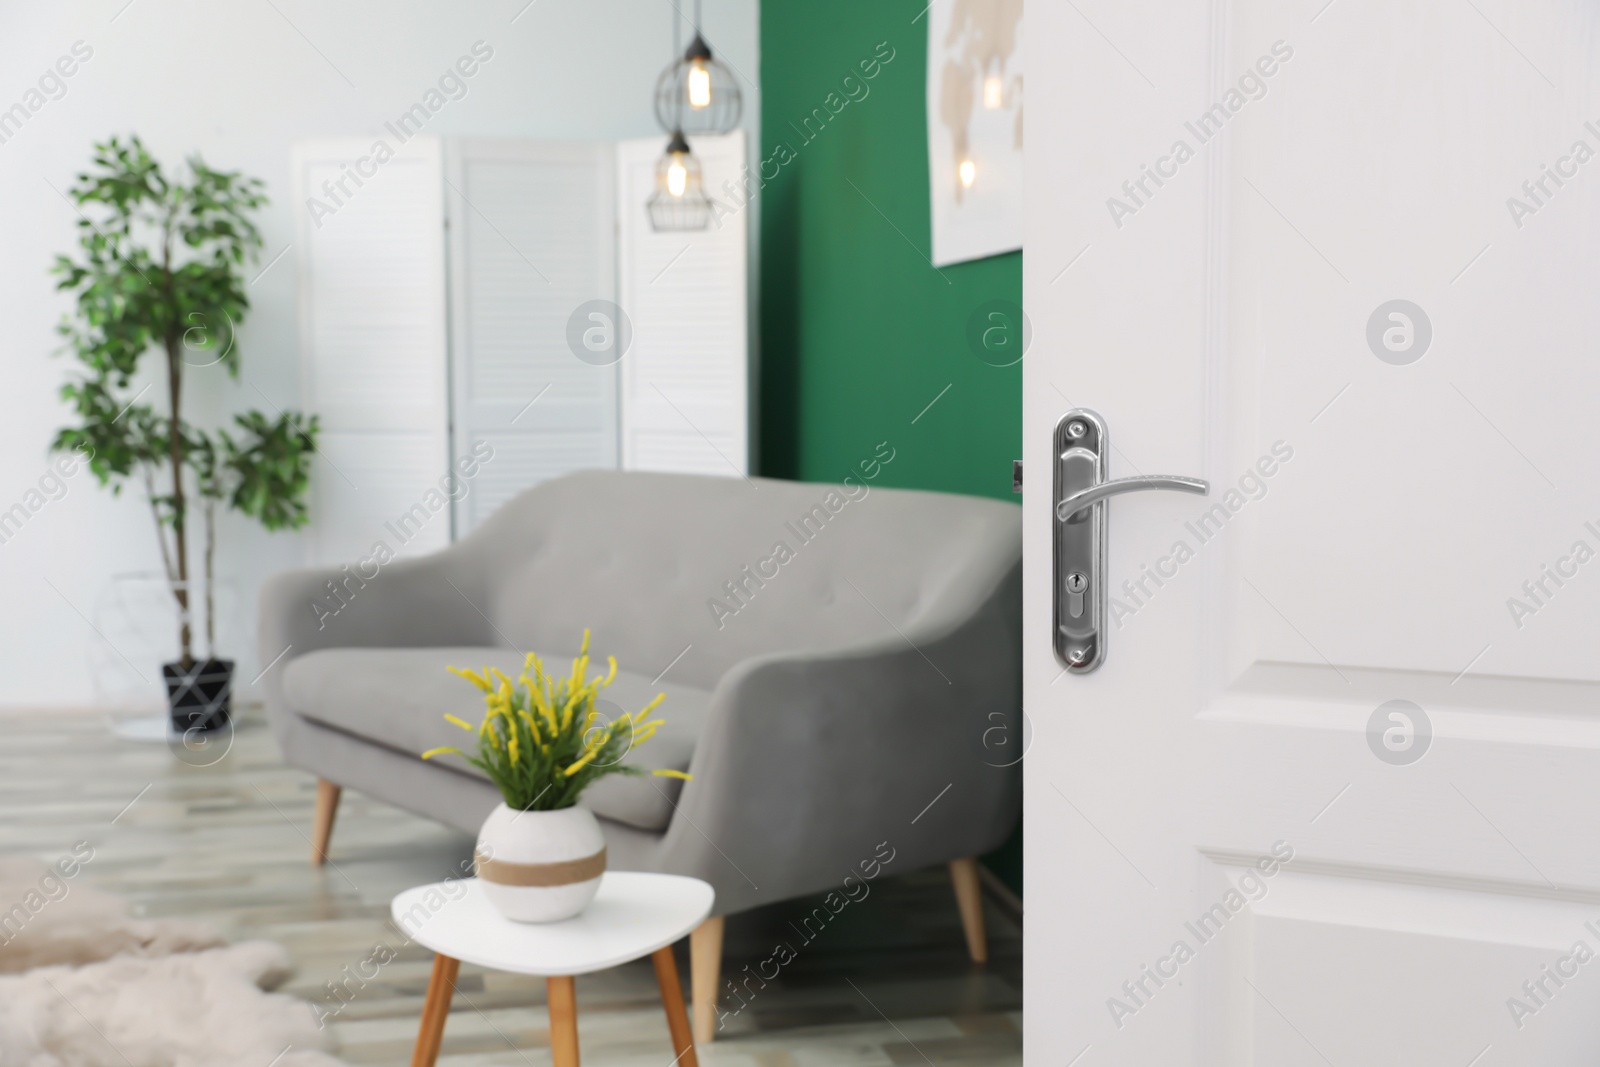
814 767
437 600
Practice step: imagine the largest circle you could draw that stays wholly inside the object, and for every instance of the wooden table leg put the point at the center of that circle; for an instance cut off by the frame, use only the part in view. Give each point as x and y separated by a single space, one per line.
672 1001
563 1021
705 969
435 1009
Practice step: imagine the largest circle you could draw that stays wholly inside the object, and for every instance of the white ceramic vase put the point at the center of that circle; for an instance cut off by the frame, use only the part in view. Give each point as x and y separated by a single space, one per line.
540 866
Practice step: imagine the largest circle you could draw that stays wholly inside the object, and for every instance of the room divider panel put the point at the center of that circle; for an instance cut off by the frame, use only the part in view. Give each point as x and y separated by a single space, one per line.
503 306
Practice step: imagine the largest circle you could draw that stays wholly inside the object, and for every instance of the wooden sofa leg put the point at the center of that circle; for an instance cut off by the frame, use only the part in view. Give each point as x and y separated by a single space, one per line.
322 828
969 899
705 971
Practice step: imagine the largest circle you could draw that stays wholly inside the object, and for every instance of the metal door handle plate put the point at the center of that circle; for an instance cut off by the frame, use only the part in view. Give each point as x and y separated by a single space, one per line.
1080 492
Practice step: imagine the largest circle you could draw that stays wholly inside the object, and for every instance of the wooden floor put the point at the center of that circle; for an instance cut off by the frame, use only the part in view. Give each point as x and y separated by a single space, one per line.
888 982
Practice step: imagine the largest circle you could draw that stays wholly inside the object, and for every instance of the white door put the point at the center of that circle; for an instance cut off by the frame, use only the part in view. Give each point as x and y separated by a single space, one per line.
1338 259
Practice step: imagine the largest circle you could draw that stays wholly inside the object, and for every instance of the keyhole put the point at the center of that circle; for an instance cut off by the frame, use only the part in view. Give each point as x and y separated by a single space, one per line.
1076 584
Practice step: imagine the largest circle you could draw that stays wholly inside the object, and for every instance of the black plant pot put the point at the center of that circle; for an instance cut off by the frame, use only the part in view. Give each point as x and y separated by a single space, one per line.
198 695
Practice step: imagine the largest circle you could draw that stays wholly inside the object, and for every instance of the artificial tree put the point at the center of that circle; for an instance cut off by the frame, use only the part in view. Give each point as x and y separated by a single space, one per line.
160 269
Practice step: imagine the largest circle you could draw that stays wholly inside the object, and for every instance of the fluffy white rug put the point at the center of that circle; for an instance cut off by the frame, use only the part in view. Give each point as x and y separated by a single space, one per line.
87 985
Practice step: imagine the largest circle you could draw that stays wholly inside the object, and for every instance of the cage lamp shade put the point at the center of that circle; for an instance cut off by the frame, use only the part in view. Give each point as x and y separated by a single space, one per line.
679 201
698 93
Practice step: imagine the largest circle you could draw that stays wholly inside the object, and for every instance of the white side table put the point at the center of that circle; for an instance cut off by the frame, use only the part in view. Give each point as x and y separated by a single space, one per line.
632 916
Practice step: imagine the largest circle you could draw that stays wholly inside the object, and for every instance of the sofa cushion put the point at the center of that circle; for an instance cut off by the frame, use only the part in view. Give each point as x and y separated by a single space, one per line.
709 572
397 698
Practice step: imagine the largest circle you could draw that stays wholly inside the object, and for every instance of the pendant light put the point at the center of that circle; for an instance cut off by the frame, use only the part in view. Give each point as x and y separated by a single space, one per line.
697 93
679 202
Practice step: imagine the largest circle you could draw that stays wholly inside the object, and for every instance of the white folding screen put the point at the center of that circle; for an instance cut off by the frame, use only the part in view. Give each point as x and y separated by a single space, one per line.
437 288
532 239
370 245
685 380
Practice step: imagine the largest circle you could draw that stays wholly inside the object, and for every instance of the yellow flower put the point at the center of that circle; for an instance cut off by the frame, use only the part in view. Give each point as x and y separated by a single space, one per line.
578 764
541 714
581 664
665 773
472 676
432 752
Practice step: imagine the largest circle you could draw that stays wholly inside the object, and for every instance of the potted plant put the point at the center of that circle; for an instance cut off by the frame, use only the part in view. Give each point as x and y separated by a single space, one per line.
542 742
160 268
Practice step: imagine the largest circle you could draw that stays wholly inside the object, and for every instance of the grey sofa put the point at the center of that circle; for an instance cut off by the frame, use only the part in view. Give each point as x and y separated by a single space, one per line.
836 661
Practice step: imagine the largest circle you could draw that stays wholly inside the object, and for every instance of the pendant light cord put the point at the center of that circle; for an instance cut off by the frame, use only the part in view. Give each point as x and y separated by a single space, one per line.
697 17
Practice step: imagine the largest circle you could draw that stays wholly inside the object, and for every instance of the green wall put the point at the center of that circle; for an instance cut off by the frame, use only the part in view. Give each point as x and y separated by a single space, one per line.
859 333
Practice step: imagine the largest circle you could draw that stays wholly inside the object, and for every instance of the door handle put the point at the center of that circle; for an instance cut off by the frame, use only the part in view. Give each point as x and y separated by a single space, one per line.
1117 486
1081 512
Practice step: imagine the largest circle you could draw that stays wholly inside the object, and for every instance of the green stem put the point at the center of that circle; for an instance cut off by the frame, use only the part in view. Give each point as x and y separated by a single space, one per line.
174 347
211 585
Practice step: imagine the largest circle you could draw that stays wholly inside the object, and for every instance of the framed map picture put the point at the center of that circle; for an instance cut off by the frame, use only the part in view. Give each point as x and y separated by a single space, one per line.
975 127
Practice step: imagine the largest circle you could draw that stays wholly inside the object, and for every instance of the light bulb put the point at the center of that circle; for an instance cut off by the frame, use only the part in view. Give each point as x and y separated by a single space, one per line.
993 92
969 173
677 177
699 86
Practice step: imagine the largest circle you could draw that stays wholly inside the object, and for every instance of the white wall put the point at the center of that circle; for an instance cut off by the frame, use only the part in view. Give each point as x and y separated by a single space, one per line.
238 82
